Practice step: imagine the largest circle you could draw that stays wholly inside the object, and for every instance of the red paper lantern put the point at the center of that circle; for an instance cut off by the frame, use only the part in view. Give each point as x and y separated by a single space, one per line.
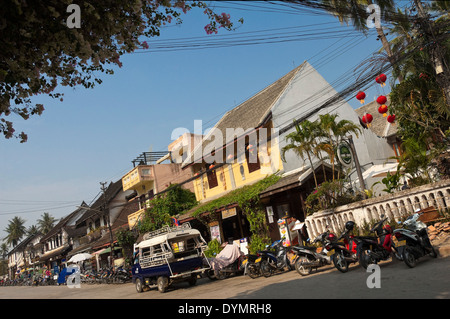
211 166
383 110
361 96
381 79
381 100
391 118
367 119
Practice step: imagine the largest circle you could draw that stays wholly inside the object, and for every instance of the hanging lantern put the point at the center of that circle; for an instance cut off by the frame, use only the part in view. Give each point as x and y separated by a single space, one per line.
211 166
230 157
382 77
381 100
377 79
367 119
361 96
391 118
383 110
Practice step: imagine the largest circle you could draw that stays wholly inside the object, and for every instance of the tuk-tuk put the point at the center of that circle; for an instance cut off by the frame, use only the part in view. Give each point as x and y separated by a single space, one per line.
168 255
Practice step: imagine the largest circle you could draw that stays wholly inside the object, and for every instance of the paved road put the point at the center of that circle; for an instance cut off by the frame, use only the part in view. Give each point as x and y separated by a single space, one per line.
429 279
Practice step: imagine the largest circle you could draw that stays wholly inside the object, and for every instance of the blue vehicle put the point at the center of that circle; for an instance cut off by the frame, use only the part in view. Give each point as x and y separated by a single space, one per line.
168 255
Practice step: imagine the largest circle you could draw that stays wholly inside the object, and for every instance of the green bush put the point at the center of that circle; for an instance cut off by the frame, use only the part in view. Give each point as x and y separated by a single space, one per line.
213 248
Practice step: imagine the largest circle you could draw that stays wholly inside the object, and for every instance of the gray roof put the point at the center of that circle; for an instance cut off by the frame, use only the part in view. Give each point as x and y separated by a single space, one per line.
380 126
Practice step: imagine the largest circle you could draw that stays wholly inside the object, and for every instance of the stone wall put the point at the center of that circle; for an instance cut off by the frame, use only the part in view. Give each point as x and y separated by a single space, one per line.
394 206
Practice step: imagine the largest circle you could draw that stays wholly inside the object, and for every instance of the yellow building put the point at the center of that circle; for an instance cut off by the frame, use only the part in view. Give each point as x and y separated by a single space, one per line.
149 177
240 150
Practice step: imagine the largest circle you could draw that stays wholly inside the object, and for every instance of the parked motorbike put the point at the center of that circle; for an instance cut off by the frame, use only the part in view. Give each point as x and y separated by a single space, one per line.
373 249
308 258
344 253
228 262
413 241
275 258
252 266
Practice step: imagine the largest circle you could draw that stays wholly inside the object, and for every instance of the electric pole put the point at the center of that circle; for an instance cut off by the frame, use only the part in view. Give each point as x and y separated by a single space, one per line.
108 221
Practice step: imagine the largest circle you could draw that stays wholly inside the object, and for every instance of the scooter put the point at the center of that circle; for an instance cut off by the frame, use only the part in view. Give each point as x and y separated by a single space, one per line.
413 241
275 258
308 258
373 249
228 262
252 266
344 253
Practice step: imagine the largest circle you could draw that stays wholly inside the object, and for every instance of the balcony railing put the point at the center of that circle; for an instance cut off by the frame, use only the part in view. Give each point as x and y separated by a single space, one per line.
138 176
394 206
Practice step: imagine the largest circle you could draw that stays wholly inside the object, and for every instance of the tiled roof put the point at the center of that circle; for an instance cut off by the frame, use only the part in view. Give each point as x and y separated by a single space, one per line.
252 113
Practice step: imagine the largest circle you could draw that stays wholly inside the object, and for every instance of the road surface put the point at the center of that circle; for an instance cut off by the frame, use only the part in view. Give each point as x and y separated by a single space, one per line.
430 279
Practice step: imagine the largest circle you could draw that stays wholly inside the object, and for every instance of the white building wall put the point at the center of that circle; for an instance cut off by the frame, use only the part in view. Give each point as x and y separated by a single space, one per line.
307 91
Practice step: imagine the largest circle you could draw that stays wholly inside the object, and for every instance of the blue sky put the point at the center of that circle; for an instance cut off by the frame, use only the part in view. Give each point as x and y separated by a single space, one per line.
94 134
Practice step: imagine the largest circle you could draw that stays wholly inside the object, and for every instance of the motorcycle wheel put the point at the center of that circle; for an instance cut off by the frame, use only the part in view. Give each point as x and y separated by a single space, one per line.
339 262
253 271
301 269
433 252
210 274
222 275
266 270
409 258
364 259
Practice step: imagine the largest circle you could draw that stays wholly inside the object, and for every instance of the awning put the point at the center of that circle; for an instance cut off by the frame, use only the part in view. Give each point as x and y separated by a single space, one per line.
108 250
380 170
53 253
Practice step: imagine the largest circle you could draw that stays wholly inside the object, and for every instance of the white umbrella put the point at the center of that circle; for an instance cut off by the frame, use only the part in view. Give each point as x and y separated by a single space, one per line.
80 257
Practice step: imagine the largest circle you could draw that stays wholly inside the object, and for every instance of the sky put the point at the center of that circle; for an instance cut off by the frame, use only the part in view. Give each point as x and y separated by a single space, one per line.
93 134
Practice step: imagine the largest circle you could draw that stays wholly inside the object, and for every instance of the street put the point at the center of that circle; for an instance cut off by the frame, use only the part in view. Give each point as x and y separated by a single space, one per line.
430 279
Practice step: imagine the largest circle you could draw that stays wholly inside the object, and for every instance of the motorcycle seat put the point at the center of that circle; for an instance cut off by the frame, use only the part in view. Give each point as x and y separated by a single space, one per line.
312 248
366 237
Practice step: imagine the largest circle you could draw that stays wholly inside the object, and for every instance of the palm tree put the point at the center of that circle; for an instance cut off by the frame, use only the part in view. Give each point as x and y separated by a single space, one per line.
4 250
15 230
32 230
334 133
46 223
302 142
355 11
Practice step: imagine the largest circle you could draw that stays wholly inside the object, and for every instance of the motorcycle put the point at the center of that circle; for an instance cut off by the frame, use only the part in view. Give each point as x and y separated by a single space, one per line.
307 258
275 258
413 241
252 266
343 253
227 262
373 249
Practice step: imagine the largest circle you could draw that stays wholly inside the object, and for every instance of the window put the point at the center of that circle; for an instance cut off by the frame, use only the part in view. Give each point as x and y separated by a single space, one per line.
252 158
212 178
